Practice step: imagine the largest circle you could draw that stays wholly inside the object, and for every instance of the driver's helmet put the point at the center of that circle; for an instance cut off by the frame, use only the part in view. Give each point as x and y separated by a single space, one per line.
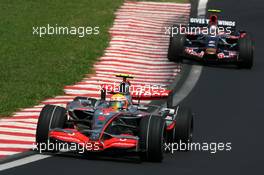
213 29
118 101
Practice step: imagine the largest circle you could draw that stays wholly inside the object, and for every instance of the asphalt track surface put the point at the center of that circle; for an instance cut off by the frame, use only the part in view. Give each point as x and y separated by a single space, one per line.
228 107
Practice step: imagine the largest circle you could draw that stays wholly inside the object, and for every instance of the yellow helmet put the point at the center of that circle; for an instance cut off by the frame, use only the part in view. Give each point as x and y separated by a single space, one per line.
119 101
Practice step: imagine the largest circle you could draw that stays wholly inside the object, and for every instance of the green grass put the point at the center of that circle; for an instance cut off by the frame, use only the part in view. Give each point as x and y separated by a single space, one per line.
33 68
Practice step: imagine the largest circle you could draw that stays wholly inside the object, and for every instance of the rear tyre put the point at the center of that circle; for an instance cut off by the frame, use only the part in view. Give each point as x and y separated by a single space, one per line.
50 117
151 138
183 131
245 58
176 46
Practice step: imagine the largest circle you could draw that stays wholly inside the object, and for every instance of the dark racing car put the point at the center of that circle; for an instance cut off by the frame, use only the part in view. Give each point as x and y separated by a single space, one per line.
211 40
116 124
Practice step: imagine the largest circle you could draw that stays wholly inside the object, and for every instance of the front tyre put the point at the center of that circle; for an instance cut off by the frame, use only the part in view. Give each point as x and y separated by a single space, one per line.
246 54
50 117
151 132
183 131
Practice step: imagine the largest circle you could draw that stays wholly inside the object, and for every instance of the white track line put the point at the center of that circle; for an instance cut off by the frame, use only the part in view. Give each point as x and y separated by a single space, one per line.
22 161
8 153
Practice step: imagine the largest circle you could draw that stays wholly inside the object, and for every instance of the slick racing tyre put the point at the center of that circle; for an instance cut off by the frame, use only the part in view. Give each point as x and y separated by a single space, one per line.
183 131
50 117
151 141
176 45
245 56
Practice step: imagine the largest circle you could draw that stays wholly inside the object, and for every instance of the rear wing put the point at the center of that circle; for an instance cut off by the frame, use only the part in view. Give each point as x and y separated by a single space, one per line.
150 95
205 22
138 92
213 15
